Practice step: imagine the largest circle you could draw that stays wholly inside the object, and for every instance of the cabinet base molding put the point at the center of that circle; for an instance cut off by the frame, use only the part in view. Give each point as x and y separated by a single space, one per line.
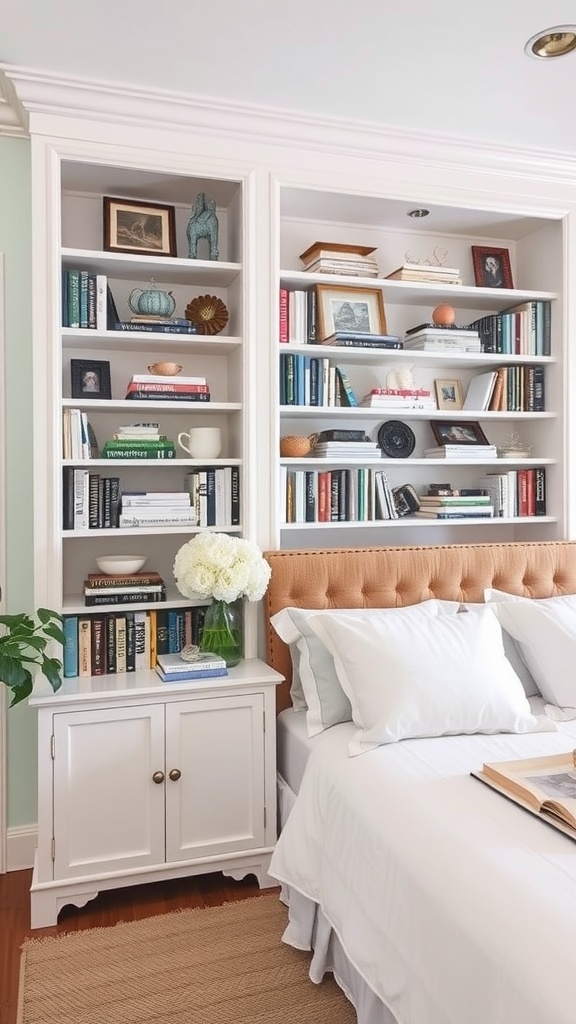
48 898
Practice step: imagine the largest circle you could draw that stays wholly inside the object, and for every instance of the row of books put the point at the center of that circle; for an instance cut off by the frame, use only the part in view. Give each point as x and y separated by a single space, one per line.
524 329
308 380
108 643
88 303
215 495
507 389
91 501
337 495
519 492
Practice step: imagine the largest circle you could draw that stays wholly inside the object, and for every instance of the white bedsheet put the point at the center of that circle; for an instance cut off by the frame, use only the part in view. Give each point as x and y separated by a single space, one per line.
456 906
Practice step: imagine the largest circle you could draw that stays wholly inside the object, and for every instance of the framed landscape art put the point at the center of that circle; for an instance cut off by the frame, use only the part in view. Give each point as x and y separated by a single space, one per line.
345 308
138 227
464 432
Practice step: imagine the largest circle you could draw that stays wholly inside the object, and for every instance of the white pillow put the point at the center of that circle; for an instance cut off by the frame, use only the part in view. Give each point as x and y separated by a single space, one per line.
545 629
411 676
512 648
323 696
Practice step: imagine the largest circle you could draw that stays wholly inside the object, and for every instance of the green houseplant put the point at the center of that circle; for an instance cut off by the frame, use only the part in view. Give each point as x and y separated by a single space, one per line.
23 641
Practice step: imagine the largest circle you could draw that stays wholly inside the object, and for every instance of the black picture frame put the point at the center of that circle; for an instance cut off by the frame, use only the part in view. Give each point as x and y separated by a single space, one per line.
137 227
462 432
90 379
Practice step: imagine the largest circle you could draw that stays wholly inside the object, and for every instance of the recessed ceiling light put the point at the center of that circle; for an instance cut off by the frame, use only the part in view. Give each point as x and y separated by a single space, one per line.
552 42
418 213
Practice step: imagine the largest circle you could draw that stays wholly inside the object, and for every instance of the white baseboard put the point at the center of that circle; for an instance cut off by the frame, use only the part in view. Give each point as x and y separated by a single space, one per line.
20 847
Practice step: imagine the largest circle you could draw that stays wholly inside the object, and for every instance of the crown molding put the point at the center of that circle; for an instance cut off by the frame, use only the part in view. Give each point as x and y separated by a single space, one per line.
35 95
11 121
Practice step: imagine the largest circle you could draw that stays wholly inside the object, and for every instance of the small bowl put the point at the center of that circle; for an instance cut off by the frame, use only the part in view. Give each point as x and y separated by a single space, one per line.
293 446
120 565
165 369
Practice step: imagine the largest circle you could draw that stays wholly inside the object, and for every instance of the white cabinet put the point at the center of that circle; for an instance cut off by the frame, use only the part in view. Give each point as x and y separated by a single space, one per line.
139 785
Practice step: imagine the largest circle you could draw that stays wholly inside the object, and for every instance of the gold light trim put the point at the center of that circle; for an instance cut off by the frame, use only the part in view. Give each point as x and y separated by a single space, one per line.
552 42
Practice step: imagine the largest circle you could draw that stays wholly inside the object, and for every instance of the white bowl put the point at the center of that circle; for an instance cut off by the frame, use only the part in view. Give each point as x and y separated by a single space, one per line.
120 565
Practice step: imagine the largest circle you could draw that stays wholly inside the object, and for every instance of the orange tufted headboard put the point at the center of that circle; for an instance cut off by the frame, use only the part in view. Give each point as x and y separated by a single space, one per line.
394 577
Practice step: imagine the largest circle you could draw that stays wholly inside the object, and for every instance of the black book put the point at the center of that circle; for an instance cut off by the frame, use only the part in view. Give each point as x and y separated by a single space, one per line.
110 643
540 491
68 498
235 493
310 491
98 644
130 642
112 317
91 600
358 339
161 631
340 435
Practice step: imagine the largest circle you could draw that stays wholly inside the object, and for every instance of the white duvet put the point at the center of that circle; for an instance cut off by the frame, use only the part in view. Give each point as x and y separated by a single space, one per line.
455 905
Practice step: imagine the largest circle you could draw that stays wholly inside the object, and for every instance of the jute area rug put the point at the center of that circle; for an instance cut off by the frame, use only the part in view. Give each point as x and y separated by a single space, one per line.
222 965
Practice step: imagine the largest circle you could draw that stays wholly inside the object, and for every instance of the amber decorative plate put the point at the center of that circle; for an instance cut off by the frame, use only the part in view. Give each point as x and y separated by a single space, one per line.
208 313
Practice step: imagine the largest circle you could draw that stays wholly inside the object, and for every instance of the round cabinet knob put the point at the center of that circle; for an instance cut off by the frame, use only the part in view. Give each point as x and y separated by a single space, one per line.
175 774
158 778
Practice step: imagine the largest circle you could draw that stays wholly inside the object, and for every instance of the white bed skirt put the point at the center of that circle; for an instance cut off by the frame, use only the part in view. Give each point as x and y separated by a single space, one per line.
308 929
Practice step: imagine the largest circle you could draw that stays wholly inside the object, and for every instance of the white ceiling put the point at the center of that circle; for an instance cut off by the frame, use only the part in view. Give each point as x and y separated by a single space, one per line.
453 67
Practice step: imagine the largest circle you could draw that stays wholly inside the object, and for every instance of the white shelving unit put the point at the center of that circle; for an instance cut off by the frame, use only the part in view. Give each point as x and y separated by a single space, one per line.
308 216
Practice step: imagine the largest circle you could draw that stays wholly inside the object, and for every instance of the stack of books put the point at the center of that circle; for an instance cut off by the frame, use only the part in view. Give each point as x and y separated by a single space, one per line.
139 588
351 451
449 503
151 387
156 508
431 338
160 324
159 447
425 272
340 258
406 398
172 668
462 451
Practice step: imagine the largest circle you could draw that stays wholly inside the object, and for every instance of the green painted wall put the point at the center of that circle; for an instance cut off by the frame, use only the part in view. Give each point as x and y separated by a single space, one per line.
17 575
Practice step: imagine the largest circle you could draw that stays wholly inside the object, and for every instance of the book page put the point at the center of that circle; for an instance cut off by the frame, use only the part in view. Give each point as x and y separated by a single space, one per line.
547 783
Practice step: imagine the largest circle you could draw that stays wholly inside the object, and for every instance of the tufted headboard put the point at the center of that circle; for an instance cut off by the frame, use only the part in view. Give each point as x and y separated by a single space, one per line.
394 577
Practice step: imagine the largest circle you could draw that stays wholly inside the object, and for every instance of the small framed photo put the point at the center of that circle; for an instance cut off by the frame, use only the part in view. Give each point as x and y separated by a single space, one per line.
491 267
464 432
448 394
145 228
90 378
347 308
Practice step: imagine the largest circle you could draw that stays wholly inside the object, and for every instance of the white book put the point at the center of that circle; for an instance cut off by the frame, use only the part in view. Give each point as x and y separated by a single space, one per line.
158 378
480 390
101 302
81 486
174 663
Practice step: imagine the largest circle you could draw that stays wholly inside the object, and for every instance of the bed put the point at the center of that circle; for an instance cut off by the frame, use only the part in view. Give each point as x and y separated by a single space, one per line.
432 899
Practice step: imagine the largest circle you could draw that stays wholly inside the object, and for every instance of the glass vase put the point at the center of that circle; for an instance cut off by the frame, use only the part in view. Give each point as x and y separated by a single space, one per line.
222 631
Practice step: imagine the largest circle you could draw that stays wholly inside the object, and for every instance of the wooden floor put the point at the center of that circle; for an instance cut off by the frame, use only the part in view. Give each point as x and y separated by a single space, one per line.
107 909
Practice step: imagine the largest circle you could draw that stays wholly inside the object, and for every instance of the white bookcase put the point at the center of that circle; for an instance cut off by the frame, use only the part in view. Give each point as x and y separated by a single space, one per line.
536 253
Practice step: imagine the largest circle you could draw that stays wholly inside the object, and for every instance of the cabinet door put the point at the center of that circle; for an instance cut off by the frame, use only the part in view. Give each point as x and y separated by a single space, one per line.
216 806
108 811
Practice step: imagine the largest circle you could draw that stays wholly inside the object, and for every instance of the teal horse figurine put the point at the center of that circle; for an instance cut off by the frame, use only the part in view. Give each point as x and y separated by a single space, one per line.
203 223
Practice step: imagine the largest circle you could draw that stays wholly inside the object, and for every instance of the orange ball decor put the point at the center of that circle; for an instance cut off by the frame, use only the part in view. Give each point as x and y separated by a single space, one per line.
444 315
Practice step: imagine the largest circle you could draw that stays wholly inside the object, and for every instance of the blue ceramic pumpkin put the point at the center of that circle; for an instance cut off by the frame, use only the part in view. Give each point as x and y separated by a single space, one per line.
151 301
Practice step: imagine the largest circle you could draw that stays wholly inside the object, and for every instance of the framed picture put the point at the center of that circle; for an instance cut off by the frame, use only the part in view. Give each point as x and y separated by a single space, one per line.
347 308
448 394
90 378
464 432
491 267
145 228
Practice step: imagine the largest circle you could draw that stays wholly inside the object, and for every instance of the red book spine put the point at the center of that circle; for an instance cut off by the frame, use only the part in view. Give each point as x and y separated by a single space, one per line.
531 489
522 492
170 388
324 497
283 323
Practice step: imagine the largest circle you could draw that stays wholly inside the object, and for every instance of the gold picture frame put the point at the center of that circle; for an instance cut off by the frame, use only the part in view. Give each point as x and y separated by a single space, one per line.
345 308
449 394
137 227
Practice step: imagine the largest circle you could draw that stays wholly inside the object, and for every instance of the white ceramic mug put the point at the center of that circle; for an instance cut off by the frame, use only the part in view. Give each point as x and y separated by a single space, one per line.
201 442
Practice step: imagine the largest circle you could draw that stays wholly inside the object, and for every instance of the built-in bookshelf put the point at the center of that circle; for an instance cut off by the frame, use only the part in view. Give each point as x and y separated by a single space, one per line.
377 222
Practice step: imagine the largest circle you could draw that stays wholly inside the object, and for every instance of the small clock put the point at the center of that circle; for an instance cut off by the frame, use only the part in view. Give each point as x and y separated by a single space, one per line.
396 439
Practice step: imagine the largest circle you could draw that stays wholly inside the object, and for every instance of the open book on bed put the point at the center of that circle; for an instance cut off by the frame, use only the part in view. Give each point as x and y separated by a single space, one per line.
544 785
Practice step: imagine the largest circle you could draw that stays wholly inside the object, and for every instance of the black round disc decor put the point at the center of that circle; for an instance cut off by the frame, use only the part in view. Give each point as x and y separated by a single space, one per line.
396 439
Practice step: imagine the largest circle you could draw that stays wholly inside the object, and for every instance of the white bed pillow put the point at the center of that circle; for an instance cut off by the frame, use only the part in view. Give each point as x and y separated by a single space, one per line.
321 692
414 676
545 630
512 648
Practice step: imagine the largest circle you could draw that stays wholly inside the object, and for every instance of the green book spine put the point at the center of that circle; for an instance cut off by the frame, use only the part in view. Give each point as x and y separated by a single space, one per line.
139 453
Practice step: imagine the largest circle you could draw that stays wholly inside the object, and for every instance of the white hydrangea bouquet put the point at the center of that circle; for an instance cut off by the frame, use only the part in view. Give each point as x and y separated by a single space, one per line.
222 567
226 569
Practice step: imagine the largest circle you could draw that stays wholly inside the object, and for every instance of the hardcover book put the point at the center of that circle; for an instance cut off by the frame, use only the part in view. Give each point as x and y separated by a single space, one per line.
546 786
170 663
360 339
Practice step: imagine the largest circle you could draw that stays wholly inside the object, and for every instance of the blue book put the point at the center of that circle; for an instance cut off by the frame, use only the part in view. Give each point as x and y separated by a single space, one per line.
176 677
70 655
